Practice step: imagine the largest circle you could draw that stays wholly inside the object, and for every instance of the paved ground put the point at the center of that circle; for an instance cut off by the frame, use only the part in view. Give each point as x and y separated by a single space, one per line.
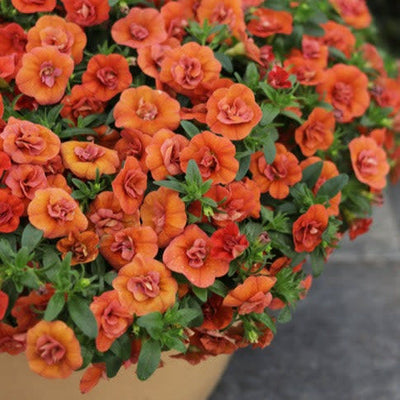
344 340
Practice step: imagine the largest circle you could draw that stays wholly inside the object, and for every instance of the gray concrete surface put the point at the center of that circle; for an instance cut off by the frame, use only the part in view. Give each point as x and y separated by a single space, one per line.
343 342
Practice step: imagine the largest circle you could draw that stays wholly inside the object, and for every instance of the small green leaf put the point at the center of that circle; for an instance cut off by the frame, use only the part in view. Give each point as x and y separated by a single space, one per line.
174 343
312 173
266 320
193 173
269 149
219 288
54 306
149 359
70 132
173 185
317 262
190 128
313 29
83 317
31 237
333 186
122 347
270 112
225 61
187 316
113 364
244 164
285 315
201 293
153 323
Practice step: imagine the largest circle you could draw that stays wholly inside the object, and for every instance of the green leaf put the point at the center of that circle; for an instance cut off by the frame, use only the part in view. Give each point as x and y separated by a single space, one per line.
173 185
149 359
190 128
266 320
54 306
270 112
193 173
244 164
317 262
6 251
174 343
312 173
251 75
153 323
201 293
292 115
31 237
70 132
112 3
333 186
285 315
113 364
269 150
225 61
83 317
313 29
186 316
122 347
219 288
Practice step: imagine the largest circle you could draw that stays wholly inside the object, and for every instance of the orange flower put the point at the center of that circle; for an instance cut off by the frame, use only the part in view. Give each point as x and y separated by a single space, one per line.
233 112
354 12
129 185
113 319
5 162
142 27
268 22
51 30
13 39
176 16
346 88
92 376
52 349
329 170
9 66
309 227
189 254
26 142
216 316
106 214
276 178
11 209
25 179
308 72
107 75
84 158
80 103
3 304
33 6
44 74
374 60
121 247
58 181
164 211
56 213
226 12
317 132
145 285
163 154
186 69
133 143
12 339
339 37
86 12
147 110
214 155
252 295
82 245
369 162
1 106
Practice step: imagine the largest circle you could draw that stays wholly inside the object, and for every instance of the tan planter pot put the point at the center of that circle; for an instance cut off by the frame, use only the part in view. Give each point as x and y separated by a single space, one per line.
177 380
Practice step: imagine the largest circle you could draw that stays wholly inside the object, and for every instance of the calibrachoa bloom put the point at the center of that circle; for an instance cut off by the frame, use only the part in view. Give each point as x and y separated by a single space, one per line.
172 173
52 349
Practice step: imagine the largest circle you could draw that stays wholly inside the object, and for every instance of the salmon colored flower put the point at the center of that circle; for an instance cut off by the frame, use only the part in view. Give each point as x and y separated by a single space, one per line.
121 247
24 179
308 228
223 12
113 319
147 110
80 103
129 185
190 254
13 39
214 155
176 16
329 170
163 154
164 211
133 143
44 74
278 78
92 376
9 66
58 181
26 142
276 178
56 213
51 30
107 75
5 162
253 295
142 27
346 88
369 162
107 216
145 285
233 112
359 226
317 132
11 209
386 93
3 304
338 36
228 243
82 245
52 349
216 316
373 58
354 12
33 6
12 339
267 22
308 72
187 68
84 158
86 12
